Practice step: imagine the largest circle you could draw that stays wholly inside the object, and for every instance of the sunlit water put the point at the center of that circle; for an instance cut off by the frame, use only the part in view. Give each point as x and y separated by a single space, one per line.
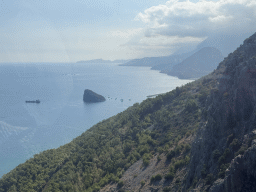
28 128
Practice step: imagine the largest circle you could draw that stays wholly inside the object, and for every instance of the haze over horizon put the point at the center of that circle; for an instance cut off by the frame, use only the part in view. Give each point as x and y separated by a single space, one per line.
69 31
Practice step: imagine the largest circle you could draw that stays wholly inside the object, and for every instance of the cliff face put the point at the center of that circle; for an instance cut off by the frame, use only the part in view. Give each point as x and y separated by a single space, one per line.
229 121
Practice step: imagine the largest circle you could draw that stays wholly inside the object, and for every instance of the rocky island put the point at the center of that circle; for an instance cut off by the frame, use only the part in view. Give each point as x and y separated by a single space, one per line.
92 97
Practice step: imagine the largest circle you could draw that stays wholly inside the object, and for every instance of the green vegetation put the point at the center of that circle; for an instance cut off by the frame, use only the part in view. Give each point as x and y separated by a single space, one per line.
146 157
209 179
222 170
203 171
177 180
120 184
158 158
155 178
241 151
167 189
142 183
216 154
171 154
225 157
102 153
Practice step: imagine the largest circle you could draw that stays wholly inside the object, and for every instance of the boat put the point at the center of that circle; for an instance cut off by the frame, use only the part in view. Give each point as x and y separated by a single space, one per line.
36 101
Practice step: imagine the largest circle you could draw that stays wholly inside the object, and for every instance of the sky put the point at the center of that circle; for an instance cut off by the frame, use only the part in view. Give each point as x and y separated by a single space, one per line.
73 30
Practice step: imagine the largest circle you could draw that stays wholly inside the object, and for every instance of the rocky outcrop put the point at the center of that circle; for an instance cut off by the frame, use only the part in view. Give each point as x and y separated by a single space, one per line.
241 175
229 121
92 97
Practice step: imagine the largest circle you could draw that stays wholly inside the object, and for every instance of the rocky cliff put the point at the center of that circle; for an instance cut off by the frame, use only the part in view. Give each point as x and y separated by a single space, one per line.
225 147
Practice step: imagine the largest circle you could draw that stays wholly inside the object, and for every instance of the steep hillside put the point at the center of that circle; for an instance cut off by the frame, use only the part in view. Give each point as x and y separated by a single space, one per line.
229 130
102 154
199 137
197 65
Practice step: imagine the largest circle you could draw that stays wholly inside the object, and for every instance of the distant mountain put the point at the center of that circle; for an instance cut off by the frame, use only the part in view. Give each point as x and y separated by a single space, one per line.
147 61
197 65
171 61
158 63
103 61
225 43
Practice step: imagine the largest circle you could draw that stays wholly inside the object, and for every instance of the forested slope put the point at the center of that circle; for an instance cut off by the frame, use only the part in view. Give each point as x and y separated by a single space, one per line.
105 151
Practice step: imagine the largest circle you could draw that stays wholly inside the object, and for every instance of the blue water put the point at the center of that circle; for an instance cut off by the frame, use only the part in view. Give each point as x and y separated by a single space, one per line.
27 129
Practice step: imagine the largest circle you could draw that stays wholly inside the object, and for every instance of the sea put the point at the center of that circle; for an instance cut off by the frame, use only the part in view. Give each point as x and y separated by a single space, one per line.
29 128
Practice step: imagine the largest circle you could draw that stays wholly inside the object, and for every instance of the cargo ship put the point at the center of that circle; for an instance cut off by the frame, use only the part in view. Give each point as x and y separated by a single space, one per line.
36 101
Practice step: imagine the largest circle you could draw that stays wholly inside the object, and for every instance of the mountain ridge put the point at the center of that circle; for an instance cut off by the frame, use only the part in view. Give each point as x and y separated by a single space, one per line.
103 61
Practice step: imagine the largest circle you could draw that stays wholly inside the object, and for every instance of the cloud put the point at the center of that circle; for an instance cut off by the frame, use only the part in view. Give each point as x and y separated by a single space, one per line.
199 19
126 34
159 45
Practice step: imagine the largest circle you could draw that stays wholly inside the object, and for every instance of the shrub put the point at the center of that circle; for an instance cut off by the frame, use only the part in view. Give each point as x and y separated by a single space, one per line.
188 133
178 149
158 158
194 182
143 149
203 171
178 164
142 183
155 178
187 148
177 180
160 150
145 162
216 154
120 184
241 150
209 179
222 171
167 189
171 169
191 105
96 188
251 139
202 96
170 155
235 145
187 159
146 158
224 158
169 176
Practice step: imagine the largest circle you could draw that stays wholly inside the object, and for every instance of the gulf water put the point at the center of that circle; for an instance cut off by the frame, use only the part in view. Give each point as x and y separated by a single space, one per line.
29 128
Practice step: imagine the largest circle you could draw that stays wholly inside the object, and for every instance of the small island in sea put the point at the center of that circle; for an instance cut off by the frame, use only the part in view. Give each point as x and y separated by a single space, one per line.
92 97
